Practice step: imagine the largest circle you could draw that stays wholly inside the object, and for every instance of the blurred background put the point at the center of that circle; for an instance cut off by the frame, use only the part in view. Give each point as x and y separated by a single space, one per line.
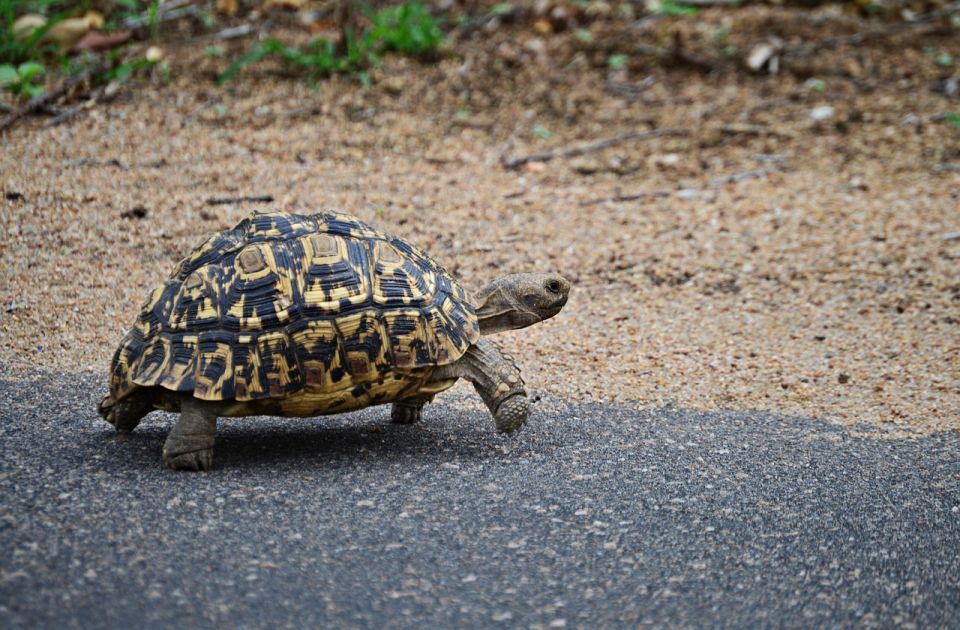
757 201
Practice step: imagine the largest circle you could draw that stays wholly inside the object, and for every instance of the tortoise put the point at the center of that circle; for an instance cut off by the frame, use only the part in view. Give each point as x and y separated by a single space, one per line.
294 315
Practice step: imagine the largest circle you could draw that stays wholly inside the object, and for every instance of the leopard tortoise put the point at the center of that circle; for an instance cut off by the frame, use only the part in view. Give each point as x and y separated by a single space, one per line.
294 315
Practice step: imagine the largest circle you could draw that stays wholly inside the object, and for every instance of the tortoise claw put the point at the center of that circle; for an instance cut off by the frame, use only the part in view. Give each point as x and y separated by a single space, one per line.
197 460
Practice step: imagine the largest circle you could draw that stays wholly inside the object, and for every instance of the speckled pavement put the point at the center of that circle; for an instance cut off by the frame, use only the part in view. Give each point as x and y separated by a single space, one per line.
593 516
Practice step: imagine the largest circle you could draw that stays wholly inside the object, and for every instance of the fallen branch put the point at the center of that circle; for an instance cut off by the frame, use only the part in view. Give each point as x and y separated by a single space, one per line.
600 145
680 57
880 33
45 100
654 194
219 201
237 31
164 13
951 236
65 115
83 162
630 91
480 22
739 177
734 129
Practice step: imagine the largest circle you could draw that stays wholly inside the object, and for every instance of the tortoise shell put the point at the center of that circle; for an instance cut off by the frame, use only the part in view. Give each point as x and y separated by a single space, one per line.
283 304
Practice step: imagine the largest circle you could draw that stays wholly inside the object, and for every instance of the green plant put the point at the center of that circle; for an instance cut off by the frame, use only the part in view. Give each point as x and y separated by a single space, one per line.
618 61
671 7
541 132
407 28
112 67
319 58
153 14
16 50
953 118
19 79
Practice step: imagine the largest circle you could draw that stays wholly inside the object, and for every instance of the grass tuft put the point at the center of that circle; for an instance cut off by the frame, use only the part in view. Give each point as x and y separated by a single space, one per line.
407 29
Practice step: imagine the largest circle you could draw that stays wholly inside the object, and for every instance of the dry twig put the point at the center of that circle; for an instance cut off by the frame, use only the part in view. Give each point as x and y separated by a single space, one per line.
237 31
66 115
654 194
219 201
166 12
862 36
739 177
756 130
546 156
45 100
680 57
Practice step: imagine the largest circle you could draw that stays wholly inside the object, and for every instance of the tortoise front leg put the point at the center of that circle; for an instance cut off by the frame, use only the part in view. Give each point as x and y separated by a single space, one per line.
496 378
190 444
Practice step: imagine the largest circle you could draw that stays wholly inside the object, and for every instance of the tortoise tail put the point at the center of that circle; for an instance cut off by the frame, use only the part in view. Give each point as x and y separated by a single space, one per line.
105 406
125 414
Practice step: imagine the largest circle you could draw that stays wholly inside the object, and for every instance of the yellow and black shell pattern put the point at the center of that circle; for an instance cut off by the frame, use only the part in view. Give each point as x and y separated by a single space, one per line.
283 304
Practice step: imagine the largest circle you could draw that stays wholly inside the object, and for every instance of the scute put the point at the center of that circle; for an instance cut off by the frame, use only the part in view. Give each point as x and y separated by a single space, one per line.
284 304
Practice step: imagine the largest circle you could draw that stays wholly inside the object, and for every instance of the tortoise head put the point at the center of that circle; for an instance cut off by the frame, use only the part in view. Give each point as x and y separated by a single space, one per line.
520 299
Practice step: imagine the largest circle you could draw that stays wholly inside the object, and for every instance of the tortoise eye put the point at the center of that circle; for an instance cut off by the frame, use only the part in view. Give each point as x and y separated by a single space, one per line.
553 286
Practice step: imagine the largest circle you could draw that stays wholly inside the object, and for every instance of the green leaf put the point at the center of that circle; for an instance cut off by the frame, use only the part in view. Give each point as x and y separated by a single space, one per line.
618 61
260 51
32 91
583 35
953 118
502 8
944 60
214 51
671 7
541 132
8 75
29 69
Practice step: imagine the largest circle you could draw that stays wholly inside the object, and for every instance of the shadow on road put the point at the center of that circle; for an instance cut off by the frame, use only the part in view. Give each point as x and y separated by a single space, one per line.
594 515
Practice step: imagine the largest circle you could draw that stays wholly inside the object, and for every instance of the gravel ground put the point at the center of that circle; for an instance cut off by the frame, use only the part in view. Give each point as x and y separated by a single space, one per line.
820 284
594 515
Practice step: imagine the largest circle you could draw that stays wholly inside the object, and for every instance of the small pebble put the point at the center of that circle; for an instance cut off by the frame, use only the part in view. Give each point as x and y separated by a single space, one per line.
822 113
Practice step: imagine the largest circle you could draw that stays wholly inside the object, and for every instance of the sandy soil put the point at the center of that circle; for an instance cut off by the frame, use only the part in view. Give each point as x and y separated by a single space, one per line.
819 283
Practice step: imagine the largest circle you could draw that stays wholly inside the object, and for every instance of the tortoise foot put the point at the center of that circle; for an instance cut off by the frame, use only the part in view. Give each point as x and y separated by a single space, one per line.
511 413
201 460
407 412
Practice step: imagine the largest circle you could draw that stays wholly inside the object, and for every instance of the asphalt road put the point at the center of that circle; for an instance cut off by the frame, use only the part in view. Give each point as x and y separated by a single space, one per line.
594 516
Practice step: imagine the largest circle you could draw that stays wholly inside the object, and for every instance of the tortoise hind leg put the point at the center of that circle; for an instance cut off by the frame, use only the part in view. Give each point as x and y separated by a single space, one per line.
189 445
127 413
407 411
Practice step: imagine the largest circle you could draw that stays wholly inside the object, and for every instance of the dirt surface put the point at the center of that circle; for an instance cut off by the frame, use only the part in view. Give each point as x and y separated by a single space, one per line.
782 262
